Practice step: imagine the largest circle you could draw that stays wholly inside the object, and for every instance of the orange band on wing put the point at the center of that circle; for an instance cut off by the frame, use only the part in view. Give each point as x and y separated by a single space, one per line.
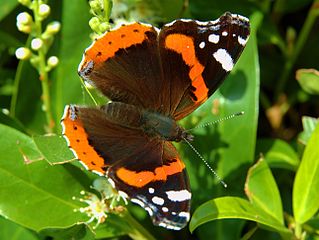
140 179
77 139
122 38
184 45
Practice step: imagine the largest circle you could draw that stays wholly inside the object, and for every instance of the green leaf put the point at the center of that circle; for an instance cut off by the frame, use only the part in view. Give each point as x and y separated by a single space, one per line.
9 121
308 80
36 195
233 207
53 148
75 232
13 231
290 6
6 7
278 153
306 185
119 228
262 190
240 92
309 124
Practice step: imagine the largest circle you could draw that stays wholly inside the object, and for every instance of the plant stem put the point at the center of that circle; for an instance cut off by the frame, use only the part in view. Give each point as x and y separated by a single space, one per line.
138 232
44 78
291 59
17 79
298 230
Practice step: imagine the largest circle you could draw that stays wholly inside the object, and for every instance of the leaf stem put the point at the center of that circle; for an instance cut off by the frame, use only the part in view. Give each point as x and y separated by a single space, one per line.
291 58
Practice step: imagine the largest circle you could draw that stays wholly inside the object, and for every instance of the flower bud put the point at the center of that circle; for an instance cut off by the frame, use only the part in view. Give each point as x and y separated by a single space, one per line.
23 53
44 10
103 27
95 5
94 23
24 18
53 61
24 28
53 27
36 44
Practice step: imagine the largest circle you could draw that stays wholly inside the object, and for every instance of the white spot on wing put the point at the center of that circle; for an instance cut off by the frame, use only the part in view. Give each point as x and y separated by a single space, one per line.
151 190
158 200
149 210
242 41
240 17
179 196
137 201
162 224
164 209
224 33
184 214
202 45
223 57
213 38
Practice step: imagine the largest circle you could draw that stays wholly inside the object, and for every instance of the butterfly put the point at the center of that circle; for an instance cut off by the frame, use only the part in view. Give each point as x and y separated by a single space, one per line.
153 78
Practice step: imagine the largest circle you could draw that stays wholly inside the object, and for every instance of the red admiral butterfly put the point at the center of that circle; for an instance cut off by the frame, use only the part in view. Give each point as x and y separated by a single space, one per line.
154 78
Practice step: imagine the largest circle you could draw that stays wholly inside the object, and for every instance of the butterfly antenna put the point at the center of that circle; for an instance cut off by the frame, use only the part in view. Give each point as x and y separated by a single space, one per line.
206 163
217 121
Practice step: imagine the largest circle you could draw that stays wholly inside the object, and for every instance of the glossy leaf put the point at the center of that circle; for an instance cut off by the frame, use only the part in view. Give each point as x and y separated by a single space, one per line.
233 207
306 185
12 122
6 7
53 148
75 232
33 193
12 231
240 92
278 153
262 190
229 145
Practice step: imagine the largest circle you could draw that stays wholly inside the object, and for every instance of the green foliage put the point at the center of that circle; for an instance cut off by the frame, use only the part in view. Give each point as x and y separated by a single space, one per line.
274 197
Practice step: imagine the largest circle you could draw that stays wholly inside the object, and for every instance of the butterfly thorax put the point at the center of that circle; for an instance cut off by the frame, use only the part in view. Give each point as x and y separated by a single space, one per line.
153 124
156 124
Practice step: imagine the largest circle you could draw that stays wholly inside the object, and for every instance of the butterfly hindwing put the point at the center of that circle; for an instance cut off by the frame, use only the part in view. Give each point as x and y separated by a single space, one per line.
149 172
